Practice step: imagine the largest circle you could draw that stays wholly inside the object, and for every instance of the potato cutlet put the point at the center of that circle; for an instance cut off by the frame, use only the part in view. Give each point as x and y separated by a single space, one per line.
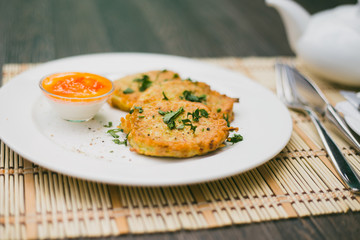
129 88
174 129
188 90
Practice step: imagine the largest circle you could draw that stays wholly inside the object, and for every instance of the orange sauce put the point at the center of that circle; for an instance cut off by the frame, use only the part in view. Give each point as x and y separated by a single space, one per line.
77 85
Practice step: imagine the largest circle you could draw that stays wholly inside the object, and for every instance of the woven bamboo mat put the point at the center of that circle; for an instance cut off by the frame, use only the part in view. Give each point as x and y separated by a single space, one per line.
298 182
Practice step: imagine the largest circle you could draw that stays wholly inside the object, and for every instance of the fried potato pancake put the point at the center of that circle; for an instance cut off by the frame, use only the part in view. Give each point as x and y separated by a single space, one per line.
177 129
218 103
128 89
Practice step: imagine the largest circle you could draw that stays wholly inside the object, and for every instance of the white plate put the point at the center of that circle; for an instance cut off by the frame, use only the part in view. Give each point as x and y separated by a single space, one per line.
84 150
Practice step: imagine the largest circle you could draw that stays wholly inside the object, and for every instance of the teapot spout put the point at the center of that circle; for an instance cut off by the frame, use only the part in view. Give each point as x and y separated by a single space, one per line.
295 19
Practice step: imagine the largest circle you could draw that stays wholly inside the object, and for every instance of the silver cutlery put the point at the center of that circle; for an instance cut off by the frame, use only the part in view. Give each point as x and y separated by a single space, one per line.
296 96
353 98
315 99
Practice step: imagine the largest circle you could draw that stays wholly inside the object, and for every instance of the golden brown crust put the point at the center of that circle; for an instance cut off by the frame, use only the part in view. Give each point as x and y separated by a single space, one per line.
149 135
125 101
218 103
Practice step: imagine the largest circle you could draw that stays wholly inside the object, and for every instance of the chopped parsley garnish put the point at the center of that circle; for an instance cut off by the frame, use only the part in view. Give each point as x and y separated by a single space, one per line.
170 117
109 125
144 82
226 117
193 128
187 95
161 112
141 116
113 132
235 138
218 110
117 141
197 114
180 127
165 97
138 108
176 75
128 91
187 122
165 70
204 113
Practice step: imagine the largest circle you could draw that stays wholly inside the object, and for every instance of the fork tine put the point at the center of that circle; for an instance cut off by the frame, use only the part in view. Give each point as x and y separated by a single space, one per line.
283 86
279 81
295 96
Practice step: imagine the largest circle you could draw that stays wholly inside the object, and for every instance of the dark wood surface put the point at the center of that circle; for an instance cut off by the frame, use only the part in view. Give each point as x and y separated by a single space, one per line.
39 31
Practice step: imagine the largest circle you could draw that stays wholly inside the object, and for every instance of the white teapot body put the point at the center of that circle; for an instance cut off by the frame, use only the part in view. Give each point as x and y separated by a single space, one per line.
328 42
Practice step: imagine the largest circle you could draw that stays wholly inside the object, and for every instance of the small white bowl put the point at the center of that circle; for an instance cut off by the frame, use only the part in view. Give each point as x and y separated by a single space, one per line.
75 109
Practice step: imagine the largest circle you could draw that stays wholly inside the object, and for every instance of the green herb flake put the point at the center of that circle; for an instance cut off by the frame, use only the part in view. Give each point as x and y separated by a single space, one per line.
170 117
187 95
195 115
164 71
128 91
204 113
180 127
161 112
117 141
226 117
187 122
165 97
113 132
141 116
109 125
218 110
144 82
138 108
126 139
193 128
235 138
176 75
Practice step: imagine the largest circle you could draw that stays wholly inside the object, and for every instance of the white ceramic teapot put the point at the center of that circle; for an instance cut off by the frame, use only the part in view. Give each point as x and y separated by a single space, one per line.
328 42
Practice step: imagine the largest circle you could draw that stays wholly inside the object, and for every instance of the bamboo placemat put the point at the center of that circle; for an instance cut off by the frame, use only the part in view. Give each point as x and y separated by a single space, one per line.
298 182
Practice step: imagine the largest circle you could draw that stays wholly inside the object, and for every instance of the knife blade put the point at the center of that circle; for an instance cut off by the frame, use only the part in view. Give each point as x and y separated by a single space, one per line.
314 98
352 98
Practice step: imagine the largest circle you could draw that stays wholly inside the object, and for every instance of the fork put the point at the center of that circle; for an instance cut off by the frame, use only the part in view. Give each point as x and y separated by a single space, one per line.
287 93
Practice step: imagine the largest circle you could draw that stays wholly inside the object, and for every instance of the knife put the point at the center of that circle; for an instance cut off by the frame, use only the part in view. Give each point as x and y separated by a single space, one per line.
317 101
352 98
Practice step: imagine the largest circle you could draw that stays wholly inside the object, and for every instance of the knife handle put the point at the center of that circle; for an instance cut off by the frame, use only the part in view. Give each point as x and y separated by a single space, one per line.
336 119
347 173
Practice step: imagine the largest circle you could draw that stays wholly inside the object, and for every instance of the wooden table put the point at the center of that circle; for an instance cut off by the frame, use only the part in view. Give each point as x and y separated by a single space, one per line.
39 31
